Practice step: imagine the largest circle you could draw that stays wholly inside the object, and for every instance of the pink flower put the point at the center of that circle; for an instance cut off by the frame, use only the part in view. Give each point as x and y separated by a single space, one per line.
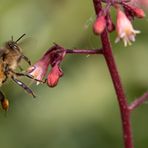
99 25
39 69
138 12
52 57
125 29
54 76
133 11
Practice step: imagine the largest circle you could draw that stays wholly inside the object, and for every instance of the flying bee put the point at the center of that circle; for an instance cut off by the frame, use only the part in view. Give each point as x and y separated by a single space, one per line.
10 58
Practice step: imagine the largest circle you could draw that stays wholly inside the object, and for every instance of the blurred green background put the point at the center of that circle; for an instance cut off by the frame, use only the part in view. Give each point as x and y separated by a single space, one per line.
82 111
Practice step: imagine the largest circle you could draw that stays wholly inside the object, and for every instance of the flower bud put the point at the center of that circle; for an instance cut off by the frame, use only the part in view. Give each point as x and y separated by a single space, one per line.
99 25
110 24
54 76
138 12
133 11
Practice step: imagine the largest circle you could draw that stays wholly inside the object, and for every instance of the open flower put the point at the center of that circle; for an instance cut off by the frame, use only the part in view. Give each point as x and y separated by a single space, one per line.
53 57
125 29
38 70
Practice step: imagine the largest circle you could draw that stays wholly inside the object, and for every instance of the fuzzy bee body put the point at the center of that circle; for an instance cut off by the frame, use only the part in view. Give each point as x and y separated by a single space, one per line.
10 57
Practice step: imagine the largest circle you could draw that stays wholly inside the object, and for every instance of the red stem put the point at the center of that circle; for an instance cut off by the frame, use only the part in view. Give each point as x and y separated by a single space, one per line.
136 103
84 51
125 113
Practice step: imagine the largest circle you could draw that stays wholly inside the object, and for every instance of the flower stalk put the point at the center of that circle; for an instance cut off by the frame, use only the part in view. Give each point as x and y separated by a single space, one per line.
84 51
139 101
108 55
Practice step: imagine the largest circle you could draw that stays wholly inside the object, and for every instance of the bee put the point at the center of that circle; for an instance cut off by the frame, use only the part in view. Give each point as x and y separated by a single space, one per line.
10 57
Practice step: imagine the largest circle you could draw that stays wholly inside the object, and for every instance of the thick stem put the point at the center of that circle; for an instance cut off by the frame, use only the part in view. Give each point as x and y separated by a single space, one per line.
125 113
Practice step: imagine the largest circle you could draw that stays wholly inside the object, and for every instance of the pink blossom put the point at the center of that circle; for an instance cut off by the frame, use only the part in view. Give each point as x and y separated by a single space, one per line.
39 69
53 57
133 11
99 25
54 76
138 12
125 29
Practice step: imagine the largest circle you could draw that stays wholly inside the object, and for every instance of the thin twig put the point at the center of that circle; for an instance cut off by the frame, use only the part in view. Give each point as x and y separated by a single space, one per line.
84 51
139 101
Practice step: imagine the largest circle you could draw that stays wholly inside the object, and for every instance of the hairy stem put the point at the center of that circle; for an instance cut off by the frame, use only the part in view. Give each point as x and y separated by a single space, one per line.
125 113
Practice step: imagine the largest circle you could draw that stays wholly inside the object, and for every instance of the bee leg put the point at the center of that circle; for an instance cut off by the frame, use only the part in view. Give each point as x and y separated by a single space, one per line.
1 96
27 75
6 71
24 86
26 59
6 77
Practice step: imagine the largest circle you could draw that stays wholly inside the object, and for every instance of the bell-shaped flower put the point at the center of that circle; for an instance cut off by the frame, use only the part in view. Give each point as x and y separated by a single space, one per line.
54 76
124 28
52 57
39 69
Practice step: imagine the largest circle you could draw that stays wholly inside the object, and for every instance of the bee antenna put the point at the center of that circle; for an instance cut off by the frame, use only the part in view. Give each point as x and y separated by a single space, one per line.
20 37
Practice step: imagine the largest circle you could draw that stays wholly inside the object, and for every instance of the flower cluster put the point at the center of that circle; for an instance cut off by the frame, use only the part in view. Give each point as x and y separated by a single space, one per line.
53 57
125 14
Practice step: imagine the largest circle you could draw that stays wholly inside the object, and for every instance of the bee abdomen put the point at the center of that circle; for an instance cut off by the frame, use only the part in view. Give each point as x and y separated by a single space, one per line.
2 77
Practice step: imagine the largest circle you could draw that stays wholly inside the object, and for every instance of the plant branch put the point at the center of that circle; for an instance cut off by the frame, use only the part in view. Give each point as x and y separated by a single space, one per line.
84 51
139 101
125 114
